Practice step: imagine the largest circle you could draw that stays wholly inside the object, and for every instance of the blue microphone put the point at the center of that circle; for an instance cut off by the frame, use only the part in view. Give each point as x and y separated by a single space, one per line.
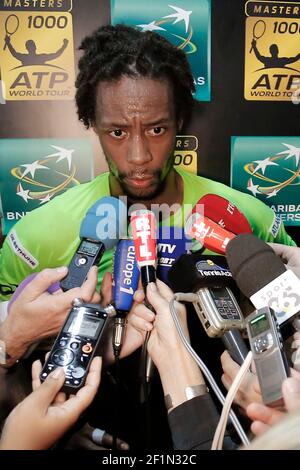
125 282
125 276
100 230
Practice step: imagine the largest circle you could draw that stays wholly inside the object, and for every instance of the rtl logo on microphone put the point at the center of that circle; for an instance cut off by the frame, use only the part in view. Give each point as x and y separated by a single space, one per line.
144 234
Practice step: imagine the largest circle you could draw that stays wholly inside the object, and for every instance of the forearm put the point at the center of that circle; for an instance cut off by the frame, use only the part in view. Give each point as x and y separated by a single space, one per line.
178 371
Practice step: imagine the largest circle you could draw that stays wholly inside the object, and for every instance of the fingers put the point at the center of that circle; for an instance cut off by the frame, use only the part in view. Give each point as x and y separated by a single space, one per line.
107 441
139 296
88 288
258 428
106 289
230 367
84 397
291 393
44 395
36 369
155 297
141 318
226 381
164 290
264 414
41 282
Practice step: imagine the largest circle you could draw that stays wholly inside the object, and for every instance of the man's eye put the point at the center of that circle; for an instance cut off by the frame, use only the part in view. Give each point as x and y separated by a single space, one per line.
117 133
157 131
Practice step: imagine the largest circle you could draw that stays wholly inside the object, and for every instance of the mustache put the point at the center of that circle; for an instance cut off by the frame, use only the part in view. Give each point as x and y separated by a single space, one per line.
140 173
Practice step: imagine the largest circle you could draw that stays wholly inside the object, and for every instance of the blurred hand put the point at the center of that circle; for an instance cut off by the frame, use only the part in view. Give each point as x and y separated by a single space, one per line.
83 440
164 337
45 415
264 417
290 255
37 314
133 338
249 390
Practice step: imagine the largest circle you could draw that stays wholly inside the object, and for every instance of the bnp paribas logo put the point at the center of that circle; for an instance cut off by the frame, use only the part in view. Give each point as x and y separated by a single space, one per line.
184 41
186 25
34 179
263 179
34 171
269 169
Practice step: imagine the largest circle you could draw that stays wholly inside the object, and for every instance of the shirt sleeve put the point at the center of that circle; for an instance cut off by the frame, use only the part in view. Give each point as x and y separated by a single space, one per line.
193 424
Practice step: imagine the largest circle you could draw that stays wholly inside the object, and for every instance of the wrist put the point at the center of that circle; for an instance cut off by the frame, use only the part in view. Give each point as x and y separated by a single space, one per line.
12 348
188 393
180 374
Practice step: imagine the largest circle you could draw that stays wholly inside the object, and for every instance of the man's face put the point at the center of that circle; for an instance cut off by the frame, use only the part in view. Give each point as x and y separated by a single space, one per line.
136 125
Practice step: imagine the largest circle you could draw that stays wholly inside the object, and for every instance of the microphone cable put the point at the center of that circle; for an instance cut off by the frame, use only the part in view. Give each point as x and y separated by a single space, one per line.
190 297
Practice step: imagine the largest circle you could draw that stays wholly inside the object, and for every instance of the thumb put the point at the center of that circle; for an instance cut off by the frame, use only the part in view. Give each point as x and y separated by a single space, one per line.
42 281
106 289
291 393
154 297
45 394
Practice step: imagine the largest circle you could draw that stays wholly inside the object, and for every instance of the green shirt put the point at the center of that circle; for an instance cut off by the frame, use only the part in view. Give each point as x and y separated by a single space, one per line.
49 236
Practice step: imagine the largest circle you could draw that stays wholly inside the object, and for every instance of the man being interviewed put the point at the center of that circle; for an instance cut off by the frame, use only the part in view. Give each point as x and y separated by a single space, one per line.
135 90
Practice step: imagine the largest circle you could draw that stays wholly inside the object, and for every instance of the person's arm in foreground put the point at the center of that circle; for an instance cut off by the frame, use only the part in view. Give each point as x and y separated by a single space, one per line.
37 314
45 415
192 420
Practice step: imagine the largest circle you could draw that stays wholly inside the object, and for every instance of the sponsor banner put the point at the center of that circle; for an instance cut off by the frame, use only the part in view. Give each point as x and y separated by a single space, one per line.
34 171
37 53
187 24
186 153
269 168
272 51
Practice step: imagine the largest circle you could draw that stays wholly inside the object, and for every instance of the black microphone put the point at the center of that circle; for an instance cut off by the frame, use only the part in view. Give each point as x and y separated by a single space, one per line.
263 278
216 306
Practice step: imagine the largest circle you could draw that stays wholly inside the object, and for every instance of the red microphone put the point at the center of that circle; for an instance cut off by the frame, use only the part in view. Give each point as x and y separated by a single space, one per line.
223 212
208 233
143 227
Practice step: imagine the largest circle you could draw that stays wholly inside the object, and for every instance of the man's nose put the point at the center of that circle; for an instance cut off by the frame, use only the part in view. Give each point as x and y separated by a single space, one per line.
138 151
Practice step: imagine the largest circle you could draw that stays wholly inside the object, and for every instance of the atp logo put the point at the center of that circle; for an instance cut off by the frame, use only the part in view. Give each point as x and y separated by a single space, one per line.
37 57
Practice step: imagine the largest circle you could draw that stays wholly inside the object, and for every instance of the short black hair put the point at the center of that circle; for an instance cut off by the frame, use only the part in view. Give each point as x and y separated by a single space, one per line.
114 51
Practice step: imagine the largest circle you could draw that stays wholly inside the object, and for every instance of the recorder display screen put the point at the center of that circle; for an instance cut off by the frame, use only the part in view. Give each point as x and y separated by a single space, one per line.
84 325
259 325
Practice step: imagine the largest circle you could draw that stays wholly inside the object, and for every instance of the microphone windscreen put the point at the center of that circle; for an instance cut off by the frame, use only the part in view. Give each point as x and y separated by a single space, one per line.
253 263
226 214
192 271
106 221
